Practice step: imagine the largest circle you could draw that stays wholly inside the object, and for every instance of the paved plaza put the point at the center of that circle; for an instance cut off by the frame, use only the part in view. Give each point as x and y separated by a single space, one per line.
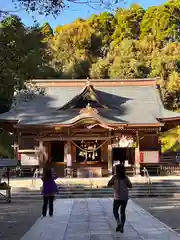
166 210
17 217
92 219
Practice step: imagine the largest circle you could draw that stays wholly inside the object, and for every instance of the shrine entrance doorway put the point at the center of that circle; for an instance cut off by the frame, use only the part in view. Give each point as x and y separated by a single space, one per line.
123 150
124 155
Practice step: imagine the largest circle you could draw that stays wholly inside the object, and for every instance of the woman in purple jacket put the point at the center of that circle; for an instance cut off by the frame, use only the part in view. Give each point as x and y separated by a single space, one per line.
48 191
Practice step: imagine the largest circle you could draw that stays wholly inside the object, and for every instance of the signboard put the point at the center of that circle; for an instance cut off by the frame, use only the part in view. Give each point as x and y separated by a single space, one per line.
29 159
149 157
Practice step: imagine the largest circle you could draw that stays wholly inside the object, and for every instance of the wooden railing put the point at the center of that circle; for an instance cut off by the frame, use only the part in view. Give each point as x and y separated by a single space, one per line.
171 159
169 170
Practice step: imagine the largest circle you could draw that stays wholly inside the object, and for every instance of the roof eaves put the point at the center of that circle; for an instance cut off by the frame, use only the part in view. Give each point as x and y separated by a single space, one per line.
169 118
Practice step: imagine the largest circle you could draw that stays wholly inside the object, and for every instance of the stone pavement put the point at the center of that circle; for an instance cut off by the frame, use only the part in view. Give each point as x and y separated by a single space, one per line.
17 217
92 219
166 210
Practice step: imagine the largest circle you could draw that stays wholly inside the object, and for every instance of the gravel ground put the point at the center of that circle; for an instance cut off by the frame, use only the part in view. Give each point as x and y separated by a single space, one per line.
17 217
164 209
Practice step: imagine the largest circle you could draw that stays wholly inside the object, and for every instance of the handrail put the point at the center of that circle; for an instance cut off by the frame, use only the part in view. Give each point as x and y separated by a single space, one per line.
35 176
148 179
91 177
147 176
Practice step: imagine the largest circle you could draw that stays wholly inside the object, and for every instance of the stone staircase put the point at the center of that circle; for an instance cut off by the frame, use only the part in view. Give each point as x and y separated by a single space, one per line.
169 188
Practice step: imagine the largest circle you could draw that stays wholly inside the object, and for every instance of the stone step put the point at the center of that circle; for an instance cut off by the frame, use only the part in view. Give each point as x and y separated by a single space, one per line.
134 192
135 188
139 195
102 190
110 189
78 191
71 191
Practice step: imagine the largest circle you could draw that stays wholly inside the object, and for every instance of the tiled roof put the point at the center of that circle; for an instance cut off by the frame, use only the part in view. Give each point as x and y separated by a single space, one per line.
130 104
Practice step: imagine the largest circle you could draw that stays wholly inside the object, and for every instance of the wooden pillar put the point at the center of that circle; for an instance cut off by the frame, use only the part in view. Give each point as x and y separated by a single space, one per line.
67 154
137 155
49 151
43 156
73 152
41 144
104 155
40 155
109 155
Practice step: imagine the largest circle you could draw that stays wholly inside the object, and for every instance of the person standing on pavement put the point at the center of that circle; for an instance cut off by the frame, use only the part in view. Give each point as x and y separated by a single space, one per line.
49 190
121 183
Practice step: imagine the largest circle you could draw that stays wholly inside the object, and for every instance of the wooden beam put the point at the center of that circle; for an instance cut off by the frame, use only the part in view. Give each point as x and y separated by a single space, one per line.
72 138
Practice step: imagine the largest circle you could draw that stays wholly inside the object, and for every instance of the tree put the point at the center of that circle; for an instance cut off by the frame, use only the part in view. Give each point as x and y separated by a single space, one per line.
55 7
128 23
21 55
104 25
79 68
75 45
46 30
100 69
170 140
163 22
6 142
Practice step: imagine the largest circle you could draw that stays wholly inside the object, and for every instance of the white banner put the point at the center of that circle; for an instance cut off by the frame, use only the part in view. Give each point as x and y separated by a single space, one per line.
29 159
150 156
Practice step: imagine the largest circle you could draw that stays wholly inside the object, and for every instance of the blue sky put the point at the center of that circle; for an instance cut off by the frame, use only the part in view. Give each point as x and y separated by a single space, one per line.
69 15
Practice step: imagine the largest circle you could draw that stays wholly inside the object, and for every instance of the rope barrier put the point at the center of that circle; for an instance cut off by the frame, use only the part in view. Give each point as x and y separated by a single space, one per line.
89 151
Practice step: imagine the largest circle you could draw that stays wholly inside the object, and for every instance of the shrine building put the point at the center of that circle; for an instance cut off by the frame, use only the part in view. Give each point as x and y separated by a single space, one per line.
89 125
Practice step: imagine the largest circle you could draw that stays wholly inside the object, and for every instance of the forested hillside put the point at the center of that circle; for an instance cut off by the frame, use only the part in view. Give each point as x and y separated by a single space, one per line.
132 43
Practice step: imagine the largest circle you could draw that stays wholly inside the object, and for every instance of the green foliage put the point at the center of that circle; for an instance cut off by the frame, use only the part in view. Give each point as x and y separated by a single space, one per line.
104 25
162 22
100 69
22 57
47 30
78 68
128 23
170 140
6 142
75 46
